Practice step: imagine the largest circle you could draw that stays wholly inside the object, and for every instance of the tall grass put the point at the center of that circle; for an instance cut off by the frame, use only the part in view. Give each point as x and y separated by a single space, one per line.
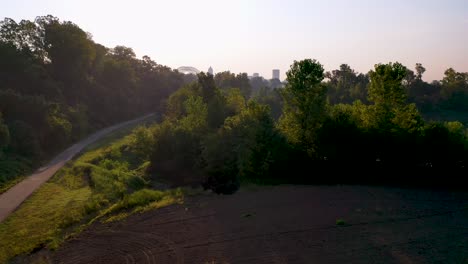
12 167
104 184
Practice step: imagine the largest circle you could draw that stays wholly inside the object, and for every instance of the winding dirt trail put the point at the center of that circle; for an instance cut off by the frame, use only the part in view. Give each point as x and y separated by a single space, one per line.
11 199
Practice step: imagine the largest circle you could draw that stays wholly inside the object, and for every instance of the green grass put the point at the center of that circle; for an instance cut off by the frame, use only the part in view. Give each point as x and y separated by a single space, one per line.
10 183
107 183
12 170
119 133
41 219
340 222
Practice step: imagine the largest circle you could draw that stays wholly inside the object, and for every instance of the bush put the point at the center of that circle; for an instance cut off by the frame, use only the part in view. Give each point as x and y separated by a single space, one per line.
246 148
24 141
175 155
4 135
341 140
220 164
142 140
142 197
444 145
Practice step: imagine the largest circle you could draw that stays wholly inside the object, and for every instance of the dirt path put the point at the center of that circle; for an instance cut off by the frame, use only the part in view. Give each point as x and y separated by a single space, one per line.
287 224
11 199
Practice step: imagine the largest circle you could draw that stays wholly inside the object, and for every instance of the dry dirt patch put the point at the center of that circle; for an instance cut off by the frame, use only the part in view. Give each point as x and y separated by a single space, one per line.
287 224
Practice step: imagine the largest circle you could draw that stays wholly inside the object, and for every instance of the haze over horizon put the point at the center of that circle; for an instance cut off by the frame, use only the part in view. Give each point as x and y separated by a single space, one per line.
246 36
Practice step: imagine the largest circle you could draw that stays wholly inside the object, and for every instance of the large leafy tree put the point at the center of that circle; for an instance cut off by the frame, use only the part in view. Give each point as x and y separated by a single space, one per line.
346 86
386 91
246 147
304 103
423 94
241 81
420 70
213 98
455 90
4 135
57 84
71 52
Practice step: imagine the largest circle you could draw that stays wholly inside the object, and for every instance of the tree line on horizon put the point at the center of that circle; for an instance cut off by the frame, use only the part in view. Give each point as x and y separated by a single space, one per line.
57 85
439 100
219 137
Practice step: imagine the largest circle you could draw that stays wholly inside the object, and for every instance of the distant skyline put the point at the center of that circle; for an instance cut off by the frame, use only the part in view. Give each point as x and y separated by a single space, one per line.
258 36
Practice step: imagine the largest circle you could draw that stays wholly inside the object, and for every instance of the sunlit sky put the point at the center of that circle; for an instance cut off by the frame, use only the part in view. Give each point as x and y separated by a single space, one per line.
259 35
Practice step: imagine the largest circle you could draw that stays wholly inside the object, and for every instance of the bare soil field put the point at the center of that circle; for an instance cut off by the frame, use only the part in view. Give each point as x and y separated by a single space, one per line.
287 224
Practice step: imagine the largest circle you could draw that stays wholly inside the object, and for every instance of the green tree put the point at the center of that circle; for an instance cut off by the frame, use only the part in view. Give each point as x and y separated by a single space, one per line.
454 91
386 89
235 102
304 103
175 154
57 85
258 83
126 54
26 36
175 108
24 141
420 70
346 86
272 98
142 141
341 139
388 94
454 82
196 119
4 135
445 145
60 127
207 86
423 94
255 133
247 147
214 99
241 81
71 52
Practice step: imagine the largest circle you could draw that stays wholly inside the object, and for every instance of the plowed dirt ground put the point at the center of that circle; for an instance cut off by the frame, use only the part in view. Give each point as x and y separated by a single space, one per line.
287 224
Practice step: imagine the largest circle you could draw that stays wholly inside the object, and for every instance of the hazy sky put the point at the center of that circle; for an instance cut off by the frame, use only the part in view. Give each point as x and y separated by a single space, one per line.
257 36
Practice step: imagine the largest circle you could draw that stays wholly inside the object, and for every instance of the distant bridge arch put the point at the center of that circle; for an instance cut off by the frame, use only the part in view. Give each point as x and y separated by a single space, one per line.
188 70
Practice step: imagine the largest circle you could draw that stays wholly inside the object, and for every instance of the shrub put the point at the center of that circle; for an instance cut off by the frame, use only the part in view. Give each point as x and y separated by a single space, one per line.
245 148
340 222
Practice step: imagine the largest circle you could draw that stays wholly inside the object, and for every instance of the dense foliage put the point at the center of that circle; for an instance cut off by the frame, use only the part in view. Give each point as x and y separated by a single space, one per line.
57 85
219 137
107 183
443 100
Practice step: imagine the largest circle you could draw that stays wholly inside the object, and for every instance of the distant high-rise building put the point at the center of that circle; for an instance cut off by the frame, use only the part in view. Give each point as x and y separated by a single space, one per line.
210 70
276 73
255 74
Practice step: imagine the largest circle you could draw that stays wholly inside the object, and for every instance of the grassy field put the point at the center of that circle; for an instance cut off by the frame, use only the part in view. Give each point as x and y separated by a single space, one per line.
14 169
120 133
106 183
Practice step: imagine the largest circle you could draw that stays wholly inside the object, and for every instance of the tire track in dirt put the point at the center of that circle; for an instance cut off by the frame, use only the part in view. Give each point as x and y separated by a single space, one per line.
286 224
133 248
